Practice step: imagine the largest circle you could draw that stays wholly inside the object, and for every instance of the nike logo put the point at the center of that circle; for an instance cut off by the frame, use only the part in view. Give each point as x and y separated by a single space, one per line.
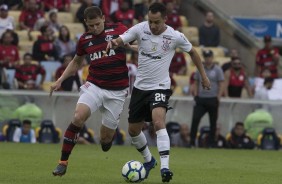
156 103
144 39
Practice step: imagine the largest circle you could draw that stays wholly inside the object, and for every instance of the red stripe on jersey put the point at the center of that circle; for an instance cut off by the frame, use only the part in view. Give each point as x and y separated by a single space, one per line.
106 69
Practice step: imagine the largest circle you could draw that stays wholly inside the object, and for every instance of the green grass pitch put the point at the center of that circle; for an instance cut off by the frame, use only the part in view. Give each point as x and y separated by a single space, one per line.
33 164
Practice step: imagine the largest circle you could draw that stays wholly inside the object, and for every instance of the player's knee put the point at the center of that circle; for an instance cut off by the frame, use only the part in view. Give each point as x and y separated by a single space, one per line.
159 125
133 132
79 118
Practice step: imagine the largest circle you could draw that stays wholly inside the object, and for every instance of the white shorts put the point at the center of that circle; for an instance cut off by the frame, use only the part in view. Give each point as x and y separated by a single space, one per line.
109 102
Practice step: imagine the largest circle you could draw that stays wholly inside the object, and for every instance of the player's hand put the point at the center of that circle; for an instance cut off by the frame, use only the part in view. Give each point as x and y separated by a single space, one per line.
54 87
206 83
112 44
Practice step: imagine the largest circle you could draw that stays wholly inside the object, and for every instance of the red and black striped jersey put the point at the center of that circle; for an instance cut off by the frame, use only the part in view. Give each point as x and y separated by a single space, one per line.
106 70
26 73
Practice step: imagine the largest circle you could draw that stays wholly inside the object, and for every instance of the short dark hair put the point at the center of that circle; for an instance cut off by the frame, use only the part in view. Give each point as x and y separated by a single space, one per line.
268 80
43 28
26 122
92 12
239 124
158 7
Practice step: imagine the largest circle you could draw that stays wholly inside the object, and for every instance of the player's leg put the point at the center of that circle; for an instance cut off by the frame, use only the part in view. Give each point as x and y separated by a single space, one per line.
106 137
87 103
140 142
113 102
82 112
159 105
138 109
163 142
198 112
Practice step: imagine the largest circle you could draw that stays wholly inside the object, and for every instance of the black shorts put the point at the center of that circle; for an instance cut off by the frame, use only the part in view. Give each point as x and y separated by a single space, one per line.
143 102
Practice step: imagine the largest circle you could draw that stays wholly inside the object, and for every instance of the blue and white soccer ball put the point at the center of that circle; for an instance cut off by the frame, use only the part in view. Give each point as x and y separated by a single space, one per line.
133 171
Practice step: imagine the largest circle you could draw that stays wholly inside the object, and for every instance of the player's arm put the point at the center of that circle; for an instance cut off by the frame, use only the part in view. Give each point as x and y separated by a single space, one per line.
71 69
198 63
125 38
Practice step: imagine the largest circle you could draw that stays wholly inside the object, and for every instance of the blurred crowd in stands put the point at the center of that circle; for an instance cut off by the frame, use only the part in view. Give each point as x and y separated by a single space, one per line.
38 40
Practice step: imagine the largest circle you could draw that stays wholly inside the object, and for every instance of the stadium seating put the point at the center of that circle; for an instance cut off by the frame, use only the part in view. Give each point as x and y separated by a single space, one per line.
192 33
184 21
50 67
75 29
268 140
26 46
182 82
74 7
9 129
23 35
65 17
217 51
47 132
16 15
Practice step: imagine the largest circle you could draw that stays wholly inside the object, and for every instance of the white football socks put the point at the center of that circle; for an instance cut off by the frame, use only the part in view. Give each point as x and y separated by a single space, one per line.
163 144
140 144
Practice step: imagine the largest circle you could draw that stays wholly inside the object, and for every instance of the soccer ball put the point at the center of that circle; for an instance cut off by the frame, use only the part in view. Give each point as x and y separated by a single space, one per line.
133 171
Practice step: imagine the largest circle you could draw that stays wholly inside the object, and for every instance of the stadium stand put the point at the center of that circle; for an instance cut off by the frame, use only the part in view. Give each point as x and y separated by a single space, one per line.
9 129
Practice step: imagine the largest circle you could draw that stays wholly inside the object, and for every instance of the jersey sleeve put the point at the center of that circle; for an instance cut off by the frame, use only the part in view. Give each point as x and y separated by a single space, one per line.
79 48
131 34
183 42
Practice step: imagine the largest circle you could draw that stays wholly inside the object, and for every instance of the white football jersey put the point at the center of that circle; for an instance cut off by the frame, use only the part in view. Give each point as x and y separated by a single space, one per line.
154 54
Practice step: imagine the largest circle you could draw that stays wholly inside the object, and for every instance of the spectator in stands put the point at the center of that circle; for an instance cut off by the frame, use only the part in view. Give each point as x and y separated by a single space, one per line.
61 5
26 74
238 139
12 4
3 79
262 93
53 20
209 33
25 134
178 64
141 8
30 15
109 7
80 11
173 18
9 53
267 58
6 21
233 53
235 79
182 138
44 48
207 101
64 45
125 14
149 132
68 83
132 69
220 141
86 136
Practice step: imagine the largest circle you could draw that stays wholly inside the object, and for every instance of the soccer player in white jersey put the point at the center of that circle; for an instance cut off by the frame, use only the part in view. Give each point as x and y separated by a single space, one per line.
149 100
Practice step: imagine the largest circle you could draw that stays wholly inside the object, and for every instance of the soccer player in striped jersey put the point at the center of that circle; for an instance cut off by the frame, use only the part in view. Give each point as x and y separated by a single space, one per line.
106 87
149 100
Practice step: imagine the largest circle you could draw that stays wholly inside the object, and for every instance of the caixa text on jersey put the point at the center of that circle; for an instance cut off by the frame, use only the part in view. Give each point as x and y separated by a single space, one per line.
101 54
